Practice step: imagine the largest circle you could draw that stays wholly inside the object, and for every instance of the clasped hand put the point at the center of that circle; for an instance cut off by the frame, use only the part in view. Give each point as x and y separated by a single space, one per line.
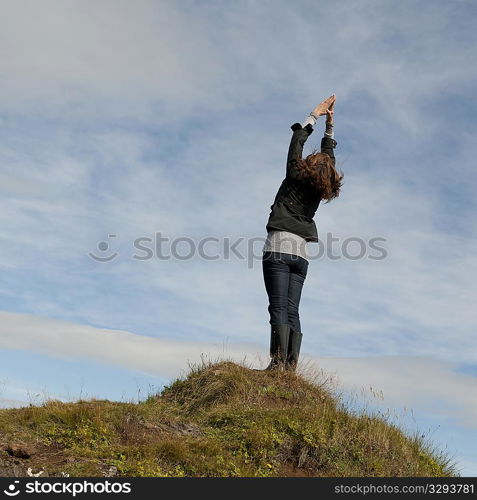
326 107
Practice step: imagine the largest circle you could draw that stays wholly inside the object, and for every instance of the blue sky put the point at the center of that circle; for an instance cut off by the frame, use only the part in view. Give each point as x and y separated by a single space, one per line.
132 119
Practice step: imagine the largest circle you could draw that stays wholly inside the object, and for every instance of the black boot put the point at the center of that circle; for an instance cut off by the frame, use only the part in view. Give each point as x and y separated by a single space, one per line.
294 344
279 339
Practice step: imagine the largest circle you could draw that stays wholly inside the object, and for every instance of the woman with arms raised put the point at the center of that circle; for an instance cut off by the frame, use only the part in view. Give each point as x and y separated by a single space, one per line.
290 226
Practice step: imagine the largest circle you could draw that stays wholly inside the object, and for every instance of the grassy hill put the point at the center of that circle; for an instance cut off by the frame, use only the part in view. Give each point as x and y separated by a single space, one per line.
222 419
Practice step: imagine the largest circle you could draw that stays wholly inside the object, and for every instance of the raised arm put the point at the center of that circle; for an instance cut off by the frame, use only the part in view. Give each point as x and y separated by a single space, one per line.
299 137
302 131
328 142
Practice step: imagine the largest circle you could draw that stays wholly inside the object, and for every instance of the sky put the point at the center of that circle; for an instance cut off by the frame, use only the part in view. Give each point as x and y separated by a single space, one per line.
142 146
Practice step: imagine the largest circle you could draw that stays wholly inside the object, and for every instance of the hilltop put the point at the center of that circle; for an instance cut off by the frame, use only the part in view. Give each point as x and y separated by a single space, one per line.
222 419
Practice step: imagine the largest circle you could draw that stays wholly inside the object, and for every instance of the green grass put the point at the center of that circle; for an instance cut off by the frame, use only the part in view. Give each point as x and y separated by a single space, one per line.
223 419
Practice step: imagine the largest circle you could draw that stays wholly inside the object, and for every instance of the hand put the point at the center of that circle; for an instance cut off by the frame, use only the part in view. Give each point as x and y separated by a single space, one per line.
330 112
323 107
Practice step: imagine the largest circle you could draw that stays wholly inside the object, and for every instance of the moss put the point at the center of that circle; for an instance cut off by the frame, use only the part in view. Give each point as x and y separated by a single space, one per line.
222 420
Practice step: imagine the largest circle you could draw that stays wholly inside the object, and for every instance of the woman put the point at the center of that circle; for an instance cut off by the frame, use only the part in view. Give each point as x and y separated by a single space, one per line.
290 226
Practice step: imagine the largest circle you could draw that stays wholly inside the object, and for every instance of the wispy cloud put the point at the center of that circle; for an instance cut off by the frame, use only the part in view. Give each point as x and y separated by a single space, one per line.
407 381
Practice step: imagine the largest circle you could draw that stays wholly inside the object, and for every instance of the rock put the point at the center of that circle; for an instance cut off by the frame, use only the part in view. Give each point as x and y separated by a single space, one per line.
10 469
34 474
186 429
148 425
175 427
109 470
18 471
18 450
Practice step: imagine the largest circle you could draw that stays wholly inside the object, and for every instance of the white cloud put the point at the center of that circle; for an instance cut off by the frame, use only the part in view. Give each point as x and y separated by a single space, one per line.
163 61
405 305
405 381
71 341
411 382
79 54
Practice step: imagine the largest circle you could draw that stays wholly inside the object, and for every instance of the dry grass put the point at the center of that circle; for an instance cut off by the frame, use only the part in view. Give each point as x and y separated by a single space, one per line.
222 419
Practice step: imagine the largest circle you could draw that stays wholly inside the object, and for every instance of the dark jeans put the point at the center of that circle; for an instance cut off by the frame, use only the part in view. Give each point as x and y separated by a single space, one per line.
284 275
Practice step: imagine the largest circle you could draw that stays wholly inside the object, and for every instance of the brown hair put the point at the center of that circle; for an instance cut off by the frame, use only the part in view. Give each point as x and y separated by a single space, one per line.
319 170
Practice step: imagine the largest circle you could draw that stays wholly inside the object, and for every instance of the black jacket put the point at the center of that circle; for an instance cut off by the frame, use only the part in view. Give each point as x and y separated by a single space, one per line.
297 201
